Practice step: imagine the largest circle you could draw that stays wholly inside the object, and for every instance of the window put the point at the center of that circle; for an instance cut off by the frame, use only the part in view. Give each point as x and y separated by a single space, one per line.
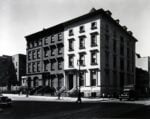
82 59
31 45
29 55
35 43
107 28
121 49
40 42
93 40
114 61
82 42
106 41
121 63
33 67
29 67
128 53
107 77
52 38
82 29
71 60
38 54
82 78
128 65
93 58
38 66
52 51
114 45
33 54
60 36
46 52
121 39
121 45
94 25
132 67
106 58
45 65
45 41
52 81
71 44
60 80
114 34
28 45
71 32
60 50
93 77
121 80
52 65
59 64
115 78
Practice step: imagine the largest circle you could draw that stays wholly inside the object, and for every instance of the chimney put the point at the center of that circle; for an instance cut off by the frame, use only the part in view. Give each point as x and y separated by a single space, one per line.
124 27
117 20
108 12
92 10
130 32
44 29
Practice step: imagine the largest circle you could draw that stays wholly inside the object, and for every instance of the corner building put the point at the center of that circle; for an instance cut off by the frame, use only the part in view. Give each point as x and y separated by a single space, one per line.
106 52
96 48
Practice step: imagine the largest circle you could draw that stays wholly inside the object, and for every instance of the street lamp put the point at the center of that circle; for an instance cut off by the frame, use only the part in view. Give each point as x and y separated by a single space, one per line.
79 93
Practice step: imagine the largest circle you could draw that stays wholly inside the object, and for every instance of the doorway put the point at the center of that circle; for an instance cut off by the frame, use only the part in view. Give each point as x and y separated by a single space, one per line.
70 80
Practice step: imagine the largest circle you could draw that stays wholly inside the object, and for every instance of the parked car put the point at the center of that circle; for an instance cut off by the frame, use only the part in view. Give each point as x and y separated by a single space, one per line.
5 101
127 95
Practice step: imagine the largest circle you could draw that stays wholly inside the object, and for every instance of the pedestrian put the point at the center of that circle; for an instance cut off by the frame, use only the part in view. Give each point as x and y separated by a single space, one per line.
79 98
59 94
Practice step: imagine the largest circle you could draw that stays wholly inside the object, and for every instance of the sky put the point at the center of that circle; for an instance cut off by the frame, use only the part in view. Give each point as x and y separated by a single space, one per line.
19 18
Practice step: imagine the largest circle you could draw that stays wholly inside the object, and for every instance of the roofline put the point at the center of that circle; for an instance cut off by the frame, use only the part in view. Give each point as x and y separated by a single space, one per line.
61 26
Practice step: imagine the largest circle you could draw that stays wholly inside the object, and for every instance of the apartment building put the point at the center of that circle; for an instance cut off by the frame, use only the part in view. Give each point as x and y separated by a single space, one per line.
105 50
7 73
143 74
19 62
95 47
45 58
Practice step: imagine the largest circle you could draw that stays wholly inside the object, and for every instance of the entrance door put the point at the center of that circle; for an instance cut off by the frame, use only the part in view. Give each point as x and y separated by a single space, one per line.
70 80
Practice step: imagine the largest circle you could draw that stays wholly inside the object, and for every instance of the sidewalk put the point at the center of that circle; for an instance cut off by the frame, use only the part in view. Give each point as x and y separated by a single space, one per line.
16 97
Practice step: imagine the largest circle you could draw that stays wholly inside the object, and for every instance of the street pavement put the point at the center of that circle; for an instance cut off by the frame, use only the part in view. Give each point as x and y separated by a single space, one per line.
46 107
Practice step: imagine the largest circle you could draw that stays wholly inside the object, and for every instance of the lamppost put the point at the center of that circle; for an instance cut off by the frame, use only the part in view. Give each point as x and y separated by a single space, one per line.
79 74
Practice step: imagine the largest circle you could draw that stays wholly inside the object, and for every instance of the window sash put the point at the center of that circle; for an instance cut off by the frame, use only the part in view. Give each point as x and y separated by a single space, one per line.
93 78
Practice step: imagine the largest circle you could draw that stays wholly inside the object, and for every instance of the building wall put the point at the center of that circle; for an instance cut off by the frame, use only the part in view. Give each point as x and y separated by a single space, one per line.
7 72
117 57
143 75
19 61
39 59
142 63
87 88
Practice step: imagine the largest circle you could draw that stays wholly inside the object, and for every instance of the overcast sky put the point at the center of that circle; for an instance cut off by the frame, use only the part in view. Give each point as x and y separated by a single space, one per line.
19 18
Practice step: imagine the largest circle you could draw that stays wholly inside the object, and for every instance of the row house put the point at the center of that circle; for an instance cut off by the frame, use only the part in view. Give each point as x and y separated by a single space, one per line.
45 58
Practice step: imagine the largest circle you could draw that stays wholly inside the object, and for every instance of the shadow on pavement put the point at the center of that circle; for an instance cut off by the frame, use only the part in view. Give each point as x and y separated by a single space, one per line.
72 110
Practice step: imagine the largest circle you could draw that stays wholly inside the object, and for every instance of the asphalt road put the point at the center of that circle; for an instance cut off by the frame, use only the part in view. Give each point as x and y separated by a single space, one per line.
71 110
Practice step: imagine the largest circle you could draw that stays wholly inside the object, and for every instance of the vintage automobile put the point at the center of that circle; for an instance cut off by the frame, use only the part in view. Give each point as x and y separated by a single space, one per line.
5 101
127 95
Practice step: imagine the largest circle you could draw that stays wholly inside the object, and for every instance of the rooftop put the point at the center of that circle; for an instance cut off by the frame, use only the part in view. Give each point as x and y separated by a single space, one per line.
93 12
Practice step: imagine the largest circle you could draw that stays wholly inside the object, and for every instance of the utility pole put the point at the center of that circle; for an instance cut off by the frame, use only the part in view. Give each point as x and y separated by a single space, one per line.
79 74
